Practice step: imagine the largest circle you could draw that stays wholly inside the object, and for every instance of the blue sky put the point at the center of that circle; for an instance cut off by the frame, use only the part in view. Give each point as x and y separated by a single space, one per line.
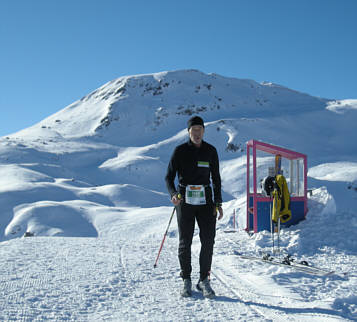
54 52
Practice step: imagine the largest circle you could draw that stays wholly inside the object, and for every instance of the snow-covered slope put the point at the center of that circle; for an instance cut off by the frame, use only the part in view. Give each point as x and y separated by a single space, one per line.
159 104
96 169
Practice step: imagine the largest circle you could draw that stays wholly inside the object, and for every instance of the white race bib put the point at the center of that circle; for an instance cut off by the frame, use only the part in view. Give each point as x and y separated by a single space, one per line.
195 195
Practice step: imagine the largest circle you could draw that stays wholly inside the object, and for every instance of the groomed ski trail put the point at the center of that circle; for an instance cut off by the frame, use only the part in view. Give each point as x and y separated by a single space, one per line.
274 301
112 278
91 279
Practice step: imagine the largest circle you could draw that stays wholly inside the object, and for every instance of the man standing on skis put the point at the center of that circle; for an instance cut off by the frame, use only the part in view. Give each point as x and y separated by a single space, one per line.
195 162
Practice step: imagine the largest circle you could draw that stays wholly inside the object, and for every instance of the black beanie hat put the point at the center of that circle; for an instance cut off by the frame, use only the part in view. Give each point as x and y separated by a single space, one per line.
195 120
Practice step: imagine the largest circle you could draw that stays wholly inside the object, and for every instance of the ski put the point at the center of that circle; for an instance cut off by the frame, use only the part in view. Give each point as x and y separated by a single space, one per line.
277 164
301 267
291 261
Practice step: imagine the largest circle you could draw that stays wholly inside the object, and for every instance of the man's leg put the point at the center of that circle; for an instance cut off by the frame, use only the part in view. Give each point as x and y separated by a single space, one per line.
207 224
186 226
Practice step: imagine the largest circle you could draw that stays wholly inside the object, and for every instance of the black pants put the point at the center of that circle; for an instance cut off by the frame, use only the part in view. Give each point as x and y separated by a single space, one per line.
186 216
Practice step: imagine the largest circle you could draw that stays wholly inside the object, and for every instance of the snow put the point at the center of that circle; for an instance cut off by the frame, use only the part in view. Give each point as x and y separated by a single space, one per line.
338 171
342 106
88 182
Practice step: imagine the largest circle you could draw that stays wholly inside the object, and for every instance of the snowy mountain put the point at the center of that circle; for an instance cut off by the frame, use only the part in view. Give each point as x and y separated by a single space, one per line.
96 169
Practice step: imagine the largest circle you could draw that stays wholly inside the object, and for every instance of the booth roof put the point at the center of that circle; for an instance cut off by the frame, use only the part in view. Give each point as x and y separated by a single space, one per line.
273 149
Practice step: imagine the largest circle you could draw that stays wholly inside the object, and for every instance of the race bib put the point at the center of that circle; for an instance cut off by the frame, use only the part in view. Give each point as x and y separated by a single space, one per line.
195 195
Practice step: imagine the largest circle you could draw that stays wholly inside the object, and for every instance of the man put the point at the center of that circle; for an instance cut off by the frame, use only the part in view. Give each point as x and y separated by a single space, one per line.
195 162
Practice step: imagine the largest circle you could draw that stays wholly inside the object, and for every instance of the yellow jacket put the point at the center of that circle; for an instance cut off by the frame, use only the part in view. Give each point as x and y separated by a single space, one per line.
281 200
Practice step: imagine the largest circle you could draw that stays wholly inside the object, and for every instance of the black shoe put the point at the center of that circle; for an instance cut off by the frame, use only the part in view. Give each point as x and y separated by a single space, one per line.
206 289
187 288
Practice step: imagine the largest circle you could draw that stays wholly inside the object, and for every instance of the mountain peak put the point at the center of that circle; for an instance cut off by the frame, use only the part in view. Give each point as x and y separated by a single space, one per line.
150 101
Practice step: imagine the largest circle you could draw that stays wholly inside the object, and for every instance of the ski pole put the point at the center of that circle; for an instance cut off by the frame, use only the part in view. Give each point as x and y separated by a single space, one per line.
275 207
163 240
167 229
271 226
279 236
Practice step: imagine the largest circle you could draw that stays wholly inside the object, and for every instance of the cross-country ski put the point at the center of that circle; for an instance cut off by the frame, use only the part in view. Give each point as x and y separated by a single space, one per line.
302 267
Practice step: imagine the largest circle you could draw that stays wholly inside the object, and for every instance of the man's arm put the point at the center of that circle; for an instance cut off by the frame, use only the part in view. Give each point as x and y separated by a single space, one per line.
216 178
216 182
171 174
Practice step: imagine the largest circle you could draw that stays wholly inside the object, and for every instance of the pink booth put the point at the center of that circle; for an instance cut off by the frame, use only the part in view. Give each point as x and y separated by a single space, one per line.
260 164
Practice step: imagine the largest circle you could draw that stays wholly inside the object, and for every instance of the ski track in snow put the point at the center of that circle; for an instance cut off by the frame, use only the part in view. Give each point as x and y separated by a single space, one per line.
57 278
98 279
272 300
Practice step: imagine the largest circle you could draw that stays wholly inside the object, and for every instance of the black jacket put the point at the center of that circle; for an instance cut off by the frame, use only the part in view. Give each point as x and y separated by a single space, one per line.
194 166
